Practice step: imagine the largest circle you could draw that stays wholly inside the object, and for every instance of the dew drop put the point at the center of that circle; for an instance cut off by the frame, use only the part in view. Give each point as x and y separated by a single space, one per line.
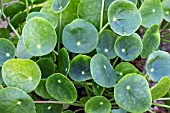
104 67
30 78
167 12
38 46
121 74
60 7
153 10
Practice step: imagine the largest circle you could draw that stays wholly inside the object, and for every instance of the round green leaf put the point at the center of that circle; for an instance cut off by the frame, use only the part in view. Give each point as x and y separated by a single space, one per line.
98 90
150 41
80 68
118 110
59 5
160 89
98 104
47 67
49 108
14 100
39 37
55 85
68 111
106 44
49 17
41 90
128 48
20 51
132 93
124 68
7 50
102 71
90 10
51 56
22 73
121 15
80 36
157 65
151 12
166 9
63 61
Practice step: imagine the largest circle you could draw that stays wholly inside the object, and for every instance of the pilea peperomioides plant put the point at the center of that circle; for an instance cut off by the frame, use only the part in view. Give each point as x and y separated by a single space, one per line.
70 56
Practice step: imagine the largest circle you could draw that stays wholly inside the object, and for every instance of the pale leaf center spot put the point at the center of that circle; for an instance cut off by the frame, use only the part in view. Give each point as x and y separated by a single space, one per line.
104 67
60 7
59 81
7 54
123 50
82 72
49 107
167 12
78 43
153 10
121 73
128 87
114 19
19 102
30 78
66 69
106 50
97 86
39 46
101 103
152 69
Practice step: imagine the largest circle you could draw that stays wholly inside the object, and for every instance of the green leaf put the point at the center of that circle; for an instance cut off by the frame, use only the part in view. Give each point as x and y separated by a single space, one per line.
160 89
7 50
151 12
59 5
106 44
134 1
13 9
68 111
35 34
166 10
98 104
120 110
70 12
55 85
14 100
1 87
80 68
41 90
49 17
1 80
132 93
63 61
49 108
121 15
157 65
20 51
17 20
124 68
90 10
34 1
47 67
102 71
80 36
6 1
4 33
21 73
128 51
98 90
51 56
83 100
150 41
